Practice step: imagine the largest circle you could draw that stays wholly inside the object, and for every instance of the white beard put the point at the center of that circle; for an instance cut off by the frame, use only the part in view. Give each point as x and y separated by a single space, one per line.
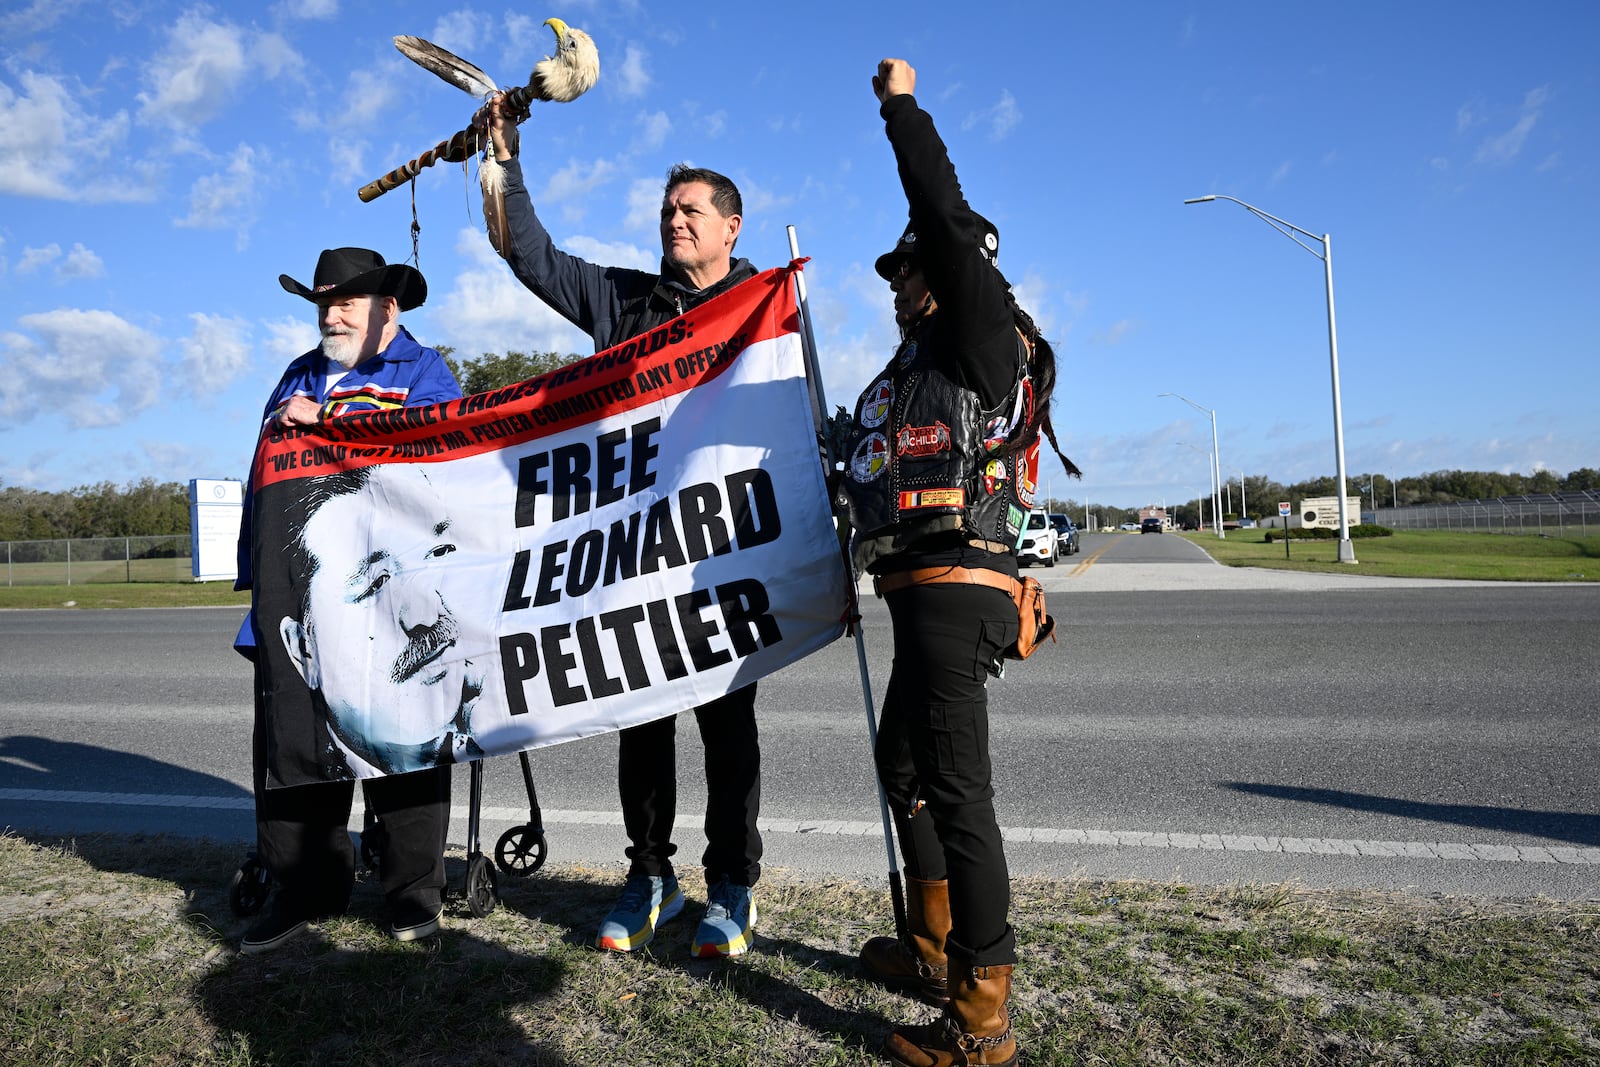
342 348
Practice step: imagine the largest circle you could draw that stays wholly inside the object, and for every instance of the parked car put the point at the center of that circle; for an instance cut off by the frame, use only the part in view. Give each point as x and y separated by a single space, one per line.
1247 523
1038 541
1066 535
1130 526
1151 526
1191 524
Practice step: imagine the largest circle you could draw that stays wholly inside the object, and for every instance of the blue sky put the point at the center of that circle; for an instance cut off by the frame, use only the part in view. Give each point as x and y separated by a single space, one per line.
162 163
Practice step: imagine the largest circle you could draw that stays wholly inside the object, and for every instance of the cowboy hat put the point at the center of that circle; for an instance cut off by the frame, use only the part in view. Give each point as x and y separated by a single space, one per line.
361 272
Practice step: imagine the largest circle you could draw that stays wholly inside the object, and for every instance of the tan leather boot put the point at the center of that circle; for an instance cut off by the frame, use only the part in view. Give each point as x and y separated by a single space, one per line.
975 1027
919 964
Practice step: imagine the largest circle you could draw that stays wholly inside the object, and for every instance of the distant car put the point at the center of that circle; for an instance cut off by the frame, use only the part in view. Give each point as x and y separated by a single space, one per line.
1130 526
1191 524
1247 524
1151 526
1038 541
1066 534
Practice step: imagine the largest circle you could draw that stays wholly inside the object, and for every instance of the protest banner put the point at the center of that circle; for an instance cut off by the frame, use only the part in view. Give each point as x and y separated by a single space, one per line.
620 539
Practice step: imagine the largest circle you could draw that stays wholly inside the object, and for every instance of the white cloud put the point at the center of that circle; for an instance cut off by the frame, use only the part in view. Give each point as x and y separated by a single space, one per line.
289 338
1281 172
228 199
38 160
35 259
201 69
521 39
653 131
576 180
612 253
216 353
92 367
633 76
37 17
485 309
1001 119
1505 147
318 10
81 263
1116 333
370 94
644 204
202 65
275 56
462 32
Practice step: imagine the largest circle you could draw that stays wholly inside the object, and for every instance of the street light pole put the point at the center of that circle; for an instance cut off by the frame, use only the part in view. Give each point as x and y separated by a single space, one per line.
1216 462
1347 552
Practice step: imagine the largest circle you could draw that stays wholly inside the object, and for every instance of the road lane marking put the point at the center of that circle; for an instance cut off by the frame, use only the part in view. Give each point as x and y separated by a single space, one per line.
1085 564
1204 842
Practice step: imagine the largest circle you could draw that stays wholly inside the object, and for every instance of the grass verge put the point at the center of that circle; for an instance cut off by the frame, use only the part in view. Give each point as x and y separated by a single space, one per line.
124 595
1420 554
118 950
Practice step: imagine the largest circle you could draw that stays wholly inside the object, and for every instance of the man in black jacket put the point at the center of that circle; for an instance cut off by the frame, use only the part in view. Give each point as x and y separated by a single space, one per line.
701 214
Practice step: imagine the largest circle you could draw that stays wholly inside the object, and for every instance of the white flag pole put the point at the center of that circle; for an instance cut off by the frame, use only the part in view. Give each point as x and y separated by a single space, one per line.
819 409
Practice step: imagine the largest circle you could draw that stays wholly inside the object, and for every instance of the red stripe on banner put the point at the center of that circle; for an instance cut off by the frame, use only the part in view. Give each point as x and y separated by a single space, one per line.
671 359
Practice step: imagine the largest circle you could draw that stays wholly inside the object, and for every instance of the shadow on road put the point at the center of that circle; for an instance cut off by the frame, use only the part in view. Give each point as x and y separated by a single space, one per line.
28 762
1582 828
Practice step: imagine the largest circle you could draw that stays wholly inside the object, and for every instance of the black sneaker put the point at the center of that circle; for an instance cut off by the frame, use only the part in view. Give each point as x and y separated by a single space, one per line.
415 923
274 929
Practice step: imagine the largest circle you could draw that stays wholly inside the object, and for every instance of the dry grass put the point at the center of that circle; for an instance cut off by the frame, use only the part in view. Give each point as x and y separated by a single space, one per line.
118 950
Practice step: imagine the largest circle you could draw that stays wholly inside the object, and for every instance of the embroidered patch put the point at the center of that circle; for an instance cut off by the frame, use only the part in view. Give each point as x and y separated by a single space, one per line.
908 352
876 402
910 500
1013 521
995 476
870 458
995 433
923 440
1027 467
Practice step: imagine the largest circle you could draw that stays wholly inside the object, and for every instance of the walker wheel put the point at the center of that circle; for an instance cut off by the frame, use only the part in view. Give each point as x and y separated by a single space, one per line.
481 891
521 851
248 889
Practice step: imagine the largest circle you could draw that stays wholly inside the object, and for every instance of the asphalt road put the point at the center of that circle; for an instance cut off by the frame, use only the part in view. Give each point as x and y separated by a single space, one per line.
1194 722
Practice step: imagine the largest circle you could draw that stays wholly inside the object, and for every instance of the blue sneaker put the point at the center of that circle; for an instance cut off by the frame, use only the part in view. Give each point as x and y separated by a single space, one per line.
729 925
646 902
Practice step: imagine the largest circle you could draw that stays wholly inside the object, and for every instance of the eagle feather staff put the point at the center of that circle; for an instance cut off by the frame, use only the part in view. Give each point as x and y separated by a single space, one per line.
563 77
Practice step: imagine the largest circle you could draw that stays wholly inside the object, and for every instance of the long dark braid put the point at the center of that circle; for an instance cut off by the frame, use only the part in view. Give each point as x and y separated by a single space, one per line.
1042 369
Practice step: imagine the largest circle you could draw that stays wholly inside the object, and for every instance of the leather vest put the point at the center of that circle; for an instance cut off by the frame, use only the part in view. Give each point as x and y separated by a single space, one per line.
925 457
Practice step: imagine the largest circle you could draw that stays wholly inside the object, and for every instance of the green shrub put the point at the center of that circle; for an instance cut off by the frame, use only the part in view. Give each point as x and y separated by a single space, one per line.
1322 533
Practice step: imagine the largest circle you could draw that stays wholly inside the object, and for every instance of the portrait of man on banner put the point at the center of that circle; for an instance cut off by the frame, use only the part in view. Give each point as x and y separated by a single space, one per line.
382 624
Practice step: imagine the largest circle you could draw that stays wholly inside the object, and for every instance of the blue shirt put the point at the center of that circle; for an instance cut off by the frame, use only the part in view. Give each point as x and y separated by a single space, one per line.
403 375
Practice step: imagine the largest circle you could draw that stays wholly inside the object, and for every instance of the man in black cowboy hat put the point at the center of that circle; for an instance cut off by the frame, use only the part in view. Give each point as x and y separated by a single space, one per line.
366 360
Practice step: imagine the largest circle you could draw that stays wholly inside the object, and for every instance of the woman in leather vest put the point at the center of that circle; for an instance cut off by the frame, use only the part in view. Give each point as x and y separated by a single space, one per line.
941 472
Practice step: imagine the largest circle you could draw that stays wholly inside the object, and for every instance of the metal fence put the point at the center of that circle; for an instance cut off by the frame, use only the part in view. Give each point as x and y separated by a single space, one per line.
1545 513
85 560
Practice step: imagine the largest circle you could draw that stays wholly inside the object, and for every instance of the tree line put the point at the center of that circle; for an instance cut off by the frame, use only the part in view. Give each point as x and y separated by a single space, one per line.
148 507
1261 494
